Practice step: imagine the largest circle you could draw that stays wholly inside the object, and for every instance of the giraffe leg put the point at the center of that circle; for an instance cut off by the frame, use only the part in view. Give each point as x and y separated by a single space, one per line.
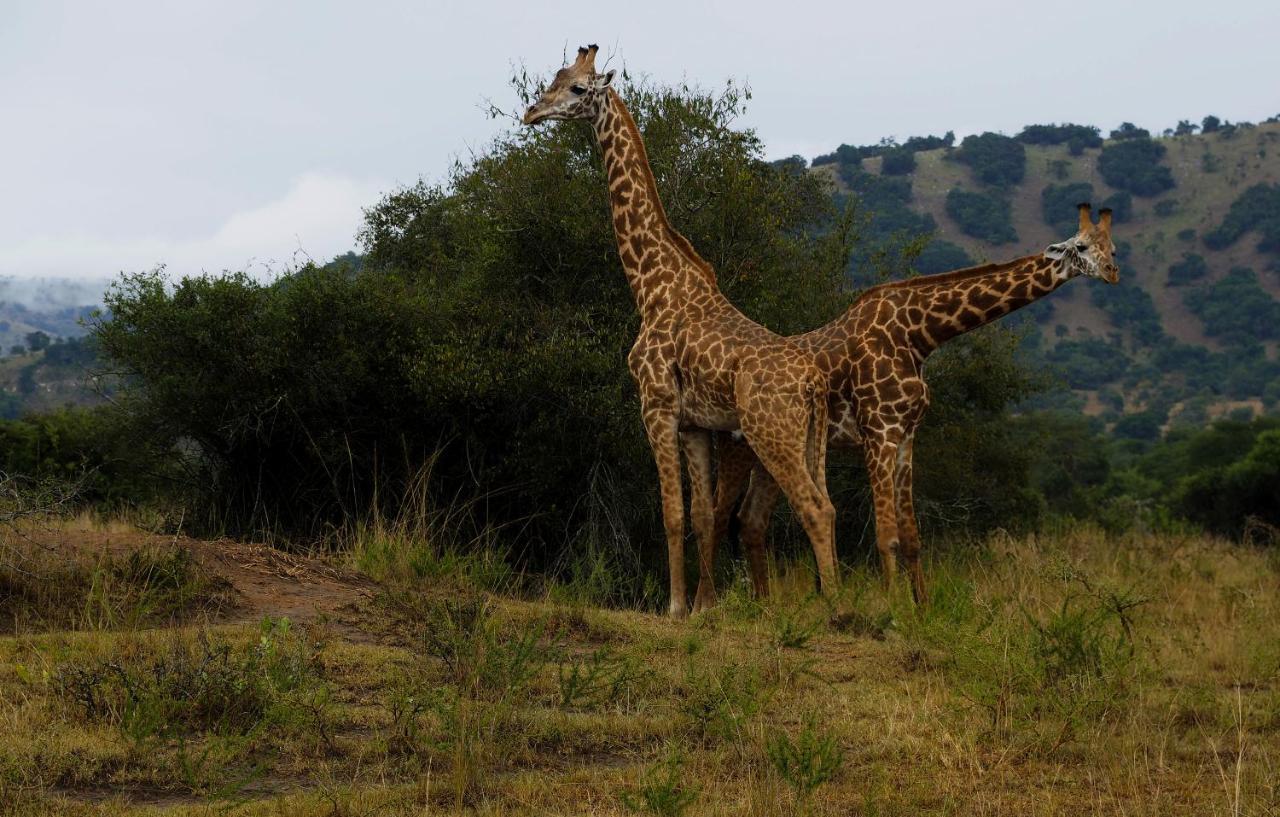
734 460
697 450
784 457
882 455
909 535
757 508
660 424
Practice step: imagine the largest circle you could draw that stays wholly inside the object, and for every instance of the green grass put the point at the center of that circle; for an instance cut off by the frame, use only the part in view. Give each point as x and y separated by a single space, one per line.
1065 674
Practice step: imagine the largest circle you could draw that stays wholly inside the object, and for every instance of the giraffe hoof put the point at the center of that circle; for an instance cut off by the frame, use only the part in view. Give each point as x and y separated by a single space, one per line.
678 610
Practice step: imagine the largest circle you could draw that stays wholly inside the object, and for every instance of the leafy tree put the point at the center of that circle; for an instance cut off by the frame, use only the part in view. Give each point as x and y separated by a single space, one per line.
1129 306
1058 206
1128 130
995 159
1210 124
1236 308
1134 165
1121 205
983 216
37 341
1191 268
1083 135
1185 128
1257 208
898 162
941 256
1088 363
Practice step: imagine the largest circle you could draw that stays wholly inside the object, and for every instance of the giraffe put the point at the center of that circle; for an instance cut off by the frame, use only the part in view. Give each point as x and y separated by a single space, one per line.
874 356
700 365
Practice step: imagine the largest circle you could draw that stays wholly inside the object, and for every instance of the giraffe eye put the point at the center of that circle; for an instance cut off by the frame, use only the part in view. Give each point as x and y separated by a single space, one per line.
1081 247
577 90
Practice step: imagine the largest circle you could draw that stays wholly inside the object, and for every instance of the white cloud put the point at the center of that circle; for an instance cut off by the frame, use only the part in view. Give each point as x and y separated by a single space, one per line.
317 217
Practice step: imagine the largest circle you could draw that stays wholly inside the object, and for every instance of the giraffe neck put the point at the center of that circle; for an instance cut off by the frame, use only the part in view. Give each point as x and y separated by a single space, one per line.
957 302
639 220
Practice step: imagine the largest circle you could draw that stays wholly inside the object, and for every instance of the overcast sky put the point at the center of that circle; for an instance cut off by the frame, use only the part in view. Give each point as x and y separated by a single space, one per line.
215 135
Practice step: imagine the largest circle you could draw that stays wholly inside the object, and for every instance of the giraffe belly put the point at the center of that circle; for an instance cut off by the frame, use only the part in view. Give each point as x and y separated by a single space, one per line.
700 408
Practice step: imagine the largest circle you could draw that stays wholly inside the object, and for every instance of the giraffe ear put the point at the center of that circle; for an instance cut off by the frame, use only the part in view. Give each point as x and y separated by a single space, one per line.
1056 251
606 78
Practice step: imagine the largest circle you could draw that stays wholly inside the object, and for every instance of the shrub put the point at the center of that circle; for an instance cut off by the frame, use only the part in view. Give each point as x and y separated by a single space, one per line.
1134 165
983 216
1128 130
1236 308
812 758
898 162
941 256
1257 208
1192 267
1088 363
1121 205
1130 307
662 790
1082 135
1058 206
995 159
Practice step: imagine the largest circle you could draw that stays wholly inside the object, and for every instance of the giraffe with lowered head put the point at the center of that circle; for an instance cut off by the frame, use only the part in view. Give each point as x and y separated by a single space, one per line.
873 358
700 365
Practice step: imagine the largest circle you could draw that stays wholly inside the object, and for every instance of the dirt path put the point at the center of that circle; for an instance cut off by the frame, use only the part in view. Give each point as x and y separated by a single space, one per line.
265 581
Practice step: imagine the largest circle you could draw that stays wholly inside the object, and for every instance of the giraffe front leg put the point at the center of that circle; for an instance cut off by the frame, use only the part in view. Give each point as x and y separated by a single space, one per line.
909 535
661 427
697 451
882 461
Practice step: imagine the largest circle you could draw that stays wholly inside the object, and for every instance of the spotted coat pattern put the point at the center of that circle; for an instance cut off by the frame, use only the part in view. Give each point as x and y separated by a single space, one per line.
700 365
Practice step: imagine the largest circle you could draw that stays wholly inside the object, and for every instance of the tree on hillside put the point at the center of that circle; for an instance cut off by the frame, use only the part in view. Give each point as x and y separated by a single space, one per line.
1210 123
1128 130
988 217
1134 165
995 159
37 341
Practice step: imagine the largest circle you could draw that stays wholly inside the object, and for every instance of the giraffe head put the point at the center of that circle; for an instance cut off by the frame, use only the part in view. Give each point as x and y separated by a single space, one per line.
576 92
1090 251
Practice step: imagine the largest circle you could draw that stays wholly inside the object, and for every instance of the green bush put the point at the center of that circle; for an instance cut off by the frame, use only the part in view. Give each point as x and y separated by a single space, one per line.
995 159
1236 308
1058 206
1257 208
1088 363
1082 135
1191 268
983 216
1134 165
898 162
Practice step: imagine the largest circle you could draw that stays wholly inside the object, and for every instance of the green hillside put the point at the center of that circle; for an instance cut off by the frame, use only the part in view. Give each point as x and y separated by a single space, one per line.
1217 311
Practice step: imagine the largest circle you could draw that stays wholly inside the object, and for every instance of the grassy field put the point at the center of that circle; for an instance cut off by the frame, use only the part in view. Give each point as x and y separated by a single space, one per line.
1058 674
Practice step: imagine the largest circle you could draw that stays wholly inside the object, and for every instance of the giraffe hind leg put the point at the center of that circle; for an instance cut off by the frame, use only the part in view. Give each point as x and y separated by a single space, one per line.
908 533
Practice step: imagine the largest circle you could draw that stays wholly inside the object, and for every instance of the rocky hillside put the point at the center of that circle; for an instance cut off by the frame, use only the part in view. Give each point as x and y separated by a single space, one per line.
1192 330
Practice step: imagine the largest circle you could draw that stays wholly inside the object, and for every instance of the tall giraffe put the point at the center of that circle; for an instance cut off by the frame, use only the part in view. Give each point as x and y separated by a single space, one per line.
700 364
874 356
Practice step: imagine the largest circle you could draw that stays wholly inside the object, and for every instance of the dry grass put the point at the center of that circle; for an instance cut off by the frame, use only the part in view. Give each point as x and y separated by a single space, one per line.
1063 674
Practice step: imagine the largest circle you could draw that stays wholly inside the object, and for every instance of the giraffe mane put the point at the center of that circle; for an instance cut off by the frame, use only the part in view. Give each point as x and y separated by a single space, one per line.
955 276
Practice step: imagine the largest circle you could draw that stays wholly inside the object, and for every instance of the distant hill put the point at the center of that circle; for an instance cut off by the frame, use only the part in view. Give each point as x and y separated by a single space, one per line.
46 313
1192 329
